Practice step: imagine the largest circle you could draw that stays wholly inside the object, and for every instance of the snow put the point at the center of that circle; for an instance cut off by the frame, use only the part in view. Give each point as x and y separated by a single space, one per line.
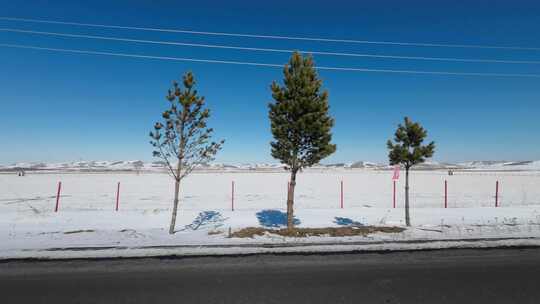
28 225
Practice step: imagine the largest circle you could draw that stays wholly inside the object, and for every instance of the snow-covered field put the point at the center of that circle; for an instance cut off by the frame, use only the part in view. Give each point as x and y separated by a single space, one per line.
87 217
317 189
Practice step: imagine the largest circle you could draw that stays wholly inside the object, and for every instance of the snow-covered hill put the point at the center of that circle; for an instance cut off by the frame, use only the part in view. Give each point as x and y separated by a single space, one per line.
87 166
503 165
137 165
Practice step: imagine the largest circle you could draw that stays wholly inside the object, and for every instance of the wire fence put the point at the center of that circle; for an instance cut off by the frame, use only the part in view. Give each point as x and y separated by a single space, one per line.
255 191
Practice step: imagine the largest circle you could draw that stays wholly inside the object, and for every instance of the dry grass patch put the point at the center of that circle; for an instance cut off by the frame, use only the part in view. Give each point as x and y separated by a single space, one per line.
250 232
78 231
214 232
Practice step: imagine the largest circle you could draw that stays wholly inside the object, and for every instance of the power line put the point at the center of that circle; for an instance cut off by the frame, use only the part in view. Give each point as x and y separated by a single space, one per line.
138 56
265 64
218 46
418 44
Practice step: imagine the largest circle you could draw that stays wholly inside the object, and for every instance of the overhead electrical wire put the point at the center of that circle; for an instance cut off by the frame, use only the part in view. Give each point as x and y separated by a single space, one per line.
256 49
352 69
260 36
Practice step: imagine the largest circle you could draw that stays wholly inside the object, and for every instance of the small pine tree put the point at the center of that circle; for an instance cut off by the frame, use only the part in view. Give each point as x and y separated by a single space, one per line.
184 136
300 122
409 151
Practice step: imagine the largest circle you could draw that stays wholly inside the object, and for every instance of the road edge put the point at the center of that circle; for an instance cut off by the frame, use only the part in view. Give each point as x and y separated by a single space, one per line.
238 250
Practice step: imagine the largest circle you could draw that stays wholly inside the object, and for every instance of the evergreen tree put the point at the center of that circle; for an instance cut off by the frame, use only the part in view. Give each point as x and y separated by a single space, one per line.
300 122
183 137
409 151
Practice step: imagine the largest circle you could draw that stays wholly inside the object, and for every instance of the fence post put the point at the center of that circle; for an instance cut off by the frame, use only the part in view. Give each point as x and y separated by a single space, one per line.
497 194
445 194
117 195
341 196
58 196
394 195
232 196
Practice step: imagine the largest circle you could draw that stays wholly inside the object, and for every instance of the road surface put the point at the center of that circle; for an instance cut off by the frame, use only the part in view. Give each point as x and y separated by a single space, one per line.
452 276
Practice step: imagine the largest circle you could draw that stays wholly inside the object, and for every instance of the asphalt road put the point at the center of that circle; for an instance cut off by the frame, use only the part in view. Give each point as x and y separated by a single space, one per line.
454 276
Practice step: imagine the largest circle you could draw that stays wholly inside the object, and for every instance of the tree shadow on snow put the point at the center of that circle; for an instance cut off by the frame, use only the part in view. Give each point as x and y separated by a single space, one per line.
344 221
206 219
274 218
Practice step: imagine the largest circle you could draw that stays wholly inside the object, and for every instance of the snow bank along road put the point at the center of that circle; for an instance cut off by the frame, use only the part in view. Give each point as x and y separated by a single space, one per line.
86 215
452 276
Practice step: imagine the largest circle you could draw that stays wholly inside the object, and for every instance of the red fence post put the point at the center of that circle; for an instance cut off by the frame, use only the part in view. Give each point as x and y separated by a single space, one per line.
232 196
394 195
117 195
58 196
341 198
445 194
497 194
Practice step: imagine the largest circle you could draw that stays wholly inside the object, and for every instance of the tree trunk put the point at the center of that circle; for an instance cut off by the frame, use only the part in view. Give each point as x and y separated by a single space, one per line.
407 218
178 179
175 206
290 202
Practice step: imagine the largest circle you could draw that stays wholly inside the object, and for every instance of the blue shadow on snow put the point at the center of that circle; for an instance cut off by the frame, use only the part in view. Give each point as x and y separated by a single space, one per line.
206 218
344 221
274 218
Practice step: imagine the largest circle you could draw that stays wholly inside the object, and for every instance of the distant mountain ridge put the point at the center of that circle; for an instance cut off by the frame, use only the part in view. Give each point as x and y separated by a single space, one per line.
137 165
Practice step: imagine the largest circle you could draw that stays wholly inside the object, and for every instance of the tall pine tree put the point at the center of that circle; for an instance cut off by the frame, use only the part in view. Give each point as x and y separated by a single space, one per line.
184 137
407 150
300 122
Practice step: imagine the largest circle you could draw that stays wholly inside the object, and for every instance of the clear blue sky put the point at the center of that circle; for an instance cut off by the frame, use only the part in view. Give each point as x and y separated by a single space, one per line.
60 107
